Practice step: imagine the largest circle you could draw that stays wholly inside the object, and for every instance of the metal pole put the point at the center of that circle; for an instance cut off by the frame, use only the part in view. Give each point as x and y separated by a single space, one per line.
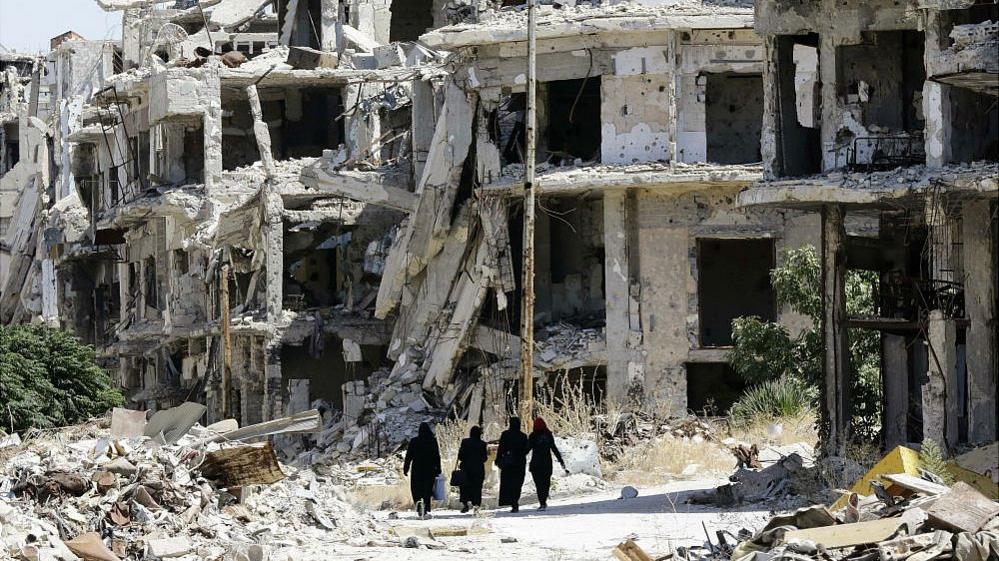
527 299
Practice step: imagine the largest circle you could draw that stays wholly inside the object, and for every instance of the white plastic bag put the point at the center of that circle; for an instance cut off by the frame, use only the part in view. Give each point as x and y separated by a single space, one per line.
440 488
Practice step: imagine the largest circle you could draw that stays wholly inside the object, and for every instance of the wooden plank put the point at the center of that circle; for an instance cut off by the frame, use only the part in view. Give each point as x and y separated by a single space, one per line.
242 466
849 535
917 484
630 551
963 509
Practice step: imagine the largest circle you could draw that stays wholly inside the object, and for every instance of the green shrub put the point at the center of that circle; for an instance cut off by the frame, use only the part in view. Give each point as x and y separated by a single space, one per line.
784 397
48 378
766 351
932 460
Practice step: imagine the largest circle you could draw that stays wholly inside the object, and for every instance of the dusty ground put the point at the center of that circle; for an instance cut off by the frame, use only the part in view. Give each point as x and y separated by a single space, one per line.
581 527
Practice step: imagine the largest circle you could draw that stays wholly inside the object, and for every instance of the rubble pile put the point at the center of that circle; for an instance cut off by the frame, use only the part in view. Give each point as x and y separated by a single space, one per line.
81 492
906 518
380 416
562 340
626 430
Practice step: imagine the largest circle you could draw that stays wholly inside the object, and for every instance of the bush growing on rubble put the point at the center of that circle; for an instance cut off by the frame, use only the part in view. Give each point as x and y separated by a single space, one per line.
766 353
48 378
784 397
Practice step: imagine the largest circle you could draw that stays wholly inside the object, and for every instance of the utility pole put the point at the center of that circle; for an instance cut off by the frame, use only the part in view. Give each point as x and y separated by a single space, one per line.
527 290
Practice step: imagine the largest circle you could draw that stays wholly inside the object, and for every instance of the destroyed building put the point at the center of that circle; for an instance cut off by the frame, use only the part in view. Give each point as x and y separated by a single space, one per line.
321 202
886 112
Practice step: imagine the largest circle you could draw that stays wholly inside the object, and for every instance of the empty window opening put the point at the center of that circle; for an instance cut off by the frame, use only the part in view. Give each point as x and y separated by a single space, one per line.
734 117
799 147
587 384
712 388
151 283
507 128
974 125
302 123
410 19
311 277
733 281
396 124
194 155
570 240
323 364
881 82
572 125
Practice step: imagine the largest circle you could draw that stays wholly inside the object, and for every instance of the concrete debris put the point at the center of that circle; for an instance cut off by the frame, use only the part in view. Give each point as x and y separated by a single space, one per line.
303 219
904 530
50 501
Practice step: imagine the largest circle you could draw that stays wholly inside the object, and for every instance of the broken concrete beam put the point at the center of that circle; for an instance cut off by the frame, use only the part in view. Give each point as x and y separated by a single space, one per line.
367 187
243 465
496 342
425 296
305 58
306 421
449 342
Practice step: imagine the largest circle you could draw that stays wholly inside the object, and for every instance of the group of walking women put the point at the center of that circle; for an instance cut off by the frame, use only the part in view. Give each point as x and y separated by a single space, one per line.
423 459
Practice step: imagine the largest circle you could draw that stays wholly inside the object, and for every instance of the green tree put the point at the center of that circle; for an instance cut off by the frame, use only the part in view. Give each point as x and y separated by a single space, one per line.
766 351
48 378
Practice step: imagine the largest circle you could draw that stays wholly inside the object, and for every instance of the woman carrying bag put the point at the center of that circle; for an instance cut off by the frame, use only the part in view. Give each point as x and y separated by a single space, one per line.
471 473
424 457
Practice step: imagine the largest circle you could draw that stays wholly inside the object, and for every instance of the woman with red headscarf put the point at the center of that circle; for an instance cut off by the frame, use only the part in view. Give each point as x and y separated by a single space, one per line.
542 446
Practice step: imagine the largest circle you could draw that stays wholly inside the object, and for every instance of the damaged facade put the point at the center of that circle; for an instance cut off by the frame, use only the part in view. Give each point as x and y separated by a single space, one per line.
320 202
889 115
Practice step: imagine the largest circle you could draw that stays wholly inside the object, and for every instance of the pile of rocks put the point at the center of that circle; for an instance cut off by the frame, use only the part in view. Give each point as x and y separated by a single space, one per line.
81 492
380 415
904 518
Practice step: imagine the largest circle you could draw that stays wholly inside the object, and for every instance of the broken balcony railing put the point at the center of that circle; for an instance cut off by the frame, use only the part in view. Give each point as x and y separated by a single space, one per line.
872 153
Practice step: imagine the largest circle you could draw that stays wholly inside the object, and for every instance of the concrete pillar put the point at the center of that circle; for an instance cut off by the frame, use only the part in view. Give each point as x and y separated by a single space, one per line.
273 405
771 109
936 96
940 404
836 363
424 121
328 24
937 112
363 128
212 123
542 268
895 379
831 119
617 285
979 247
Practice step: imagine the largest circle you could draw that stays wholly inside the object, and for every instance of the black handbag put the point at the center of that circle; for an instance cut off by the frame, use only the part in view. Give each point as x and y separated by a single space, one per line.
457 476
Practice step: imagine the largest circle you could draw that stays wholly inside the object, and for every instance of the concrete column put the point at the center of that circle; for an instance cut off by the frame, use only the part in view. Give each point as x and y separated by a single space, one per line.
936 96
937 112
542 268
212 123
836 363
617 285
830 100
328 24
940 404
771 109
895 379
978 236
424 121
273 403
